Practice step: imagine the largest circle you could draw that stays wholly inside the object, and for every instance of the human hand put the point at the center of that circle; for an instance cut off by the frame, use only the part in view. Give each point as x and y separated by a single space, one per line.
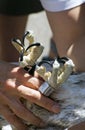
15 83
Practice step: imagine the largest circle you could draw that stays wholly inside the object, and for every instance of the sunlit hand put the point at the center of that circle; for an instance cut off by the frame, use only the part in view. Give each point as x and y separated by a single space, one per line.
14 84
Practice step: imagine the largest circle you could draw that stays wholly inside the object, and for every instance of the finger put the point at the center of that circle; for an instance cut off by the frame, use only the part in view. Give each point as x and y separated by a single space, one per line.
33 83
36 97
20 110
26 79
12 118
30 81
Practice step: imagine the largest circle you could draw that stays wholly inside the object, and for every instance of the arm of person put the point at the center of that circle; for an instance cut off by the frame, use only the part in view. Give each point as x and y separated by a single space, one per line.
16 83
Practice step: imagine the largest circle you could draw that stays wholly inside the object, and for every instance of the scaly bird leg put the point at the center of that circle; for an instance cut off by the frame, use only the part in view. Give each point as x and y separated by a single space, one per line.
61 68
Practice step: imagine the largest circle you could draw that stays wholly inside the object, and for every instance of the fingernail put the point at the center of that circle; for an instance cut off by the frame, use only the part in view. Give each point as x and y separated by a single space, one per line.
56 109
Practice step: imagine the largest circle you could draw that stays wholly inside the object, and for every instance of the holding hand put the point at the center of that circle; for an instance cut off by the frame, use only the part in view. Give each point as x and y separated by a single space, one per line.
15 84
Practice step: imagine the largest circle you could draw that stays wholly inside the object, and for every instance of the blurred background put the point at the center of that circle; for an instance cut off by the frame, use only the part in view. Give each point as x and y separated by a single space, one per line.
38 23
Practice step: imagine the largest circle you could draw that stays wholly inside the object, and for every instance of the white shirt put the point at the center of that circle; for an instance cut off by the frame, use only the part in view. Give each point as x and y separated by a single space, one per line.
60 5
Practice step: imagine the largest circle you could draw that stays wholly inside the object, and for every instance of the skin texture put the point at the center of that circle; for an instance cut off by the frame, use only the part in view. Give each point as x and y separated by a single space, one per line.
10 27
69 34
15 84
68 29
